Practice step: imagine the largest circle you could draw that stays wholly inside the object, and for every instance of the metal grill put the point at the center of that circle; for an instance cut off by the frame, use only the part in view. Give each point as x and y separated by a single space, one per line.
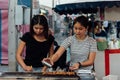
34 76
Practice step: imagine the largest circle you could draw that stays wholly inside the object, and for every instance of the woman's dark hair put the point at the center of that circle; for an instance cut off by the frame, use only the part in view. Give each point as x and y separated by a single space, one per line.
82 20
41 20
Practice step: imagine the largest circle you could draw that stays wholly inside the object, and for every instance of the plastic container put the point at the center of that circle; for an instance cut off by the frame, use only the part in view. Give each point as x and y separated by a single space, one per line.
102 45
86 76
110 77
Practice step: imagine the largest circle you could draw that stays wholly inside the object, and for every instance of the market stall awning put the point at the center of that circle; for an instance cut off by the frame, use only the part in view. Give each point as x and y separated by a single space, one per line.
3 4
26 3
84 7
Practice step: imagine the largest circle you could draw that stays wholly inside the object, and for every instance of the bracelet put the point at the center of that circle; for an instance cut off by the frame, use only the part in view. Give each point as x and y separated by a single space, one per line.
80 65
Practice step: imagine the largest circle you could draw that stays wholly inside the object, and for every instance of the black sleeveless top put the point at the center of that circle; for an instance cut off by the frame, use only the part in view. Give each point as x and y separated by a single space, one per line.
35 50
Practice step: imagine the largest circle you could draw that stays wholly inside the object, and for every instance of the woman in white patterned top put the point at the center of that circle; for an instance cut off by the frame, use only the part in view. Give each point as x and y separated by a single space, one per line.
83 48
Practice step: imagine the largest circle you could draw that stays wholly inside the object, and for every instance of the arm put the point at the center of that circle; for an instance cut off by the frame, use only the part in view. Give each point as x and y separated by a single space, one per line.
58 54
51 50
65 44
19 57
92 54
88 62
60 51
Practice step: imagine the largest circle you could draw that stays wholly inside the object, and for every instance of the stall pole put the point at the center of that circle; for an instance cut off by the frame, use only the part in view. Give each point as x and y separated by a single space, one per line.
53 17
12 36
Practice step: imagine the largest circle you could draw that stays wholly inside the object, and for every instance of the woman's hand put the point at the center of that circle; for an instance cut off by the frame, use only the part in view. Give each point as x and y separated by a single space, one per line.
48 60
74 66
28 68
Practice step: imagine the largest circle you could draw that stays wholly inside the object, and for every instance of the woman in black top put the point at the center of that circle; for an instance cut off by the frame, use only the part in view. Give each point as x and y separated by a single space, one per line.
38 43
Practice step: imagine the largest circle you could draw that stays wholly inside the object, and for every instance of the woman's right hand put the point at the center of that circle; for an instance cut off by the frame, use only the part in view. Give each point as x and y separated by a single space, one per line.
48 60
28 68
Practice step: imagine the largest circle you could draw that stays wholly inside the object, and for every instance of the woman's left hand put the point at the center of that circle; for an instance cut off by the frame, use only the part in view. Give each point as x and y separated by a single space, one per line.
74 66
